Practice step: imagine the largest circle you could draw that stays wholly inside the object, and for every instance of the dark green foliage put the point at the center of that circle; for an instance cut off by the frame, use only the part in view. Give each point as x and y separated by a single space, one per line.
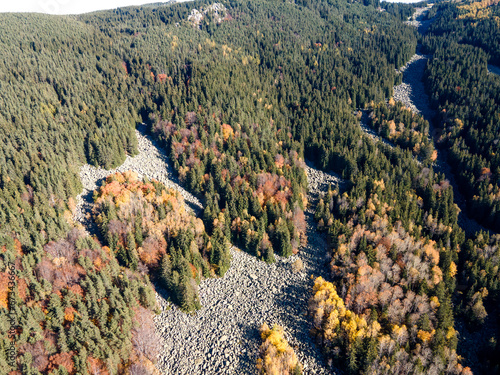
480 277
219 254
281 238
391 196
404 128
463 41
63 102
467 98
77 315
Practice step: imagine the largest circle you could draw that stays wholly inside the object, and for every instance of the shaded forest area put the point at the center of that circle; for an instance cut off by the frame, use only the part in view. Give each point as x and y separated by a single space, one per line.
464 38
239 99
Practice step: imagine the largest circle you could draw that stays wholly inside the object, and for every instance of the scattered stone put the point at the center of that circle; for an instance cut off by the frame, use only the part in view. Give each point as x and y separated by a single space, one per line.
411 92
417 20
232 304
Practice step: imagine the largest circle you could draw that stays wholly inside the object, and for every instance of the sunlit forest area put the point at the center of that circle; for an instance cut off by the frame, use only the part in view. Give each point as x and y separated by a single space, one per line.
239 98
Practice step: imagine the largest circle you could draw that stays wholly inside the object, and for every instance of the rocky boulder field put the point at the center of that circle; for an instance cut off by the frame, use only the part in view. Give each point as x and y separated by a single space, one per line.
223 336
151 162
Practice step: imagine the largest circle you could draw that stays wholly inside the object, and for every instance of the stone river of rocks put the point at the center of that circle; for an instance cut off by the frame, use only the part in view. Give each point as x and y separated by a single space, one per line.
412 93
223 337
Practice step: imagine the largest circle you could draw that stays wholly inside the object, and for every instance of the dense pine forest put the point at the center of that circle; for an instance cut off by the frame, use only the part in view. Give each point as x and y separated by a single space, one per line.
241 95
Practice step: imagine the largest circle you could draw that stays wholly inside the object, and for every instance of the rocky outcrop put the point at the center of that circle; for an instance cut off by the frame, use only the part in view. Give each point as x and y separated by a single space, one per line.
319 181
217 10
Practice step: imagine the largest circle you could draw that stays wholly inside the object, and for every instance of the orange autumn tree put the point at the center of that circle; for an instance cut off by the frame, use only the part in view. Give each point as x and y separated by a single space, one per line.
250 186
146 224
386 309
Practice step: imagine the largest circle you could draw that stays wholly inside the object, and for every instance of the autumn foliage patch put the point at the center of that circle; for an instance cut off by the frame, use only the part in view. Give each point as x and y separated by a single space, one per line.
276 355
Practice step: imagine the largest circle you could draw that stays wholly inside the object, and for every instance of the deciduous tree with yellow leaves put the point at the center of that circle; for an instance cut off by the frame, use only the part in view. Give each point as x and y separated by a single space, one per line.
276 355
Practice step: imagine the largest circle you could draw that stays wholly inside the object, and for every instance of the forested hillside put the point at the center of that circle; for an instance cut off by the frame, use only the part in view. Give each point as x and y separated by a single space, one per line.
464 40
394 242
240 94
466 97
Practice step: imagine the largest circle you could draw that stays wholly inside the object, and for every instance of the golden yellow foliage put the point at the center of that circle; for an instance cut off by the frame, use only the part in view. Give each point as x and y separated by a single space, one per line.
451 333
392 127
434 302
477 10
227 132
453 269
437 275
333 320
425 336
69 314
123 198
276 355
379 183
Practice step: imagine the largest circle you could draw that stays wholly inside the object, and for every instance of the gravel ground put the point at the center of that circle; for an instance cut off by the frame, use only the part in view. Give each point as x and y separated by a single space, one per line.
411 91
223 337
